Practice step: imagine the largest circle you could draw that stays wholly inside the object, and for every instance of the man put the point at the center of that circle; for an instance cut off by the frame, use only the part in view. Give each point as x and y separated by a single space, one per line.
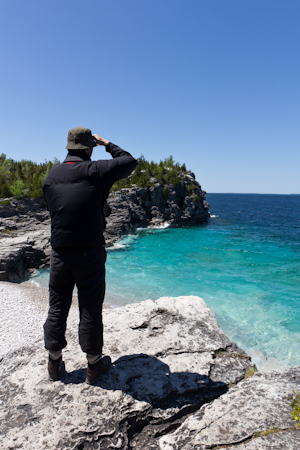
75 192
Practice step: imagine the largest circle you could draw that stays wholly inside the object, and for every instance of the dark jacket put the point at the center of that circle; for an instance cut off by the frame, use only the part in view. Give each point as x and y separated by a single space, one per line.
75 192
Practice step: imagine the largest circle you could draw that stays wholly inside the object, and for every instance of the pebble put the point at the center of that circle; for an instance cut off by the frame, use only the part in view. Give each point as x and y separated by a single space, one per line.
23 311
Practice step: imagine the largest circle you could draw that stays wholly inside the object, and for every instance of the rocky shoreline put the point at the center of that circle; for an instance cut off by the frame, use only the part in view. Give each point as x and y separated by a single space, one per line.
25 223
177 382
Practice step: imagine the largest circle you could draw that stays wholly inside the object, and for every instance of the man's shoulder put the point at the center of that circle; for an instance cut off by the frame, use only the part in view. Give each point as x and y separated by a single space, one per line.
55 169
70 170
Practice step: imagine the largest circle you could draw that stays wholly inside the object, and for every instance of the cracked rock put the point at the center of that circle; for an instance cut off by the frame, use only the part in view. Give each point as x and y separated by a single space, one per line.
163 353
281 440
256 405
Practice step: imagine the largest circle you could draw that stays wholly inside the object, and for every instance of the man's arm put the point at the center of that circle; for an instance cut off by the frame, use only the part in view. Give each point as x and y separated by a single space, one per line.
117 168
111 148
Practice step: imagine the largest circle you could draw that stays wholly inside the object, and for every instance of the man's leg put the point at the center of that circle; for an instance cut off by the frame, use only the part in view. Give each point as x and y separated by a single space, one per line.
61 286
90 281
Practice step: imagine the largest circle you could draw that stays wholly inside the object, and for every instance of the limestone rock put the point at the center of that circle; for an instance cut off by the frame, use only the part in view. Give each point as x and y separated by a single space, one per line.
257 405
281 440
24 252
24 237
140 207
163 354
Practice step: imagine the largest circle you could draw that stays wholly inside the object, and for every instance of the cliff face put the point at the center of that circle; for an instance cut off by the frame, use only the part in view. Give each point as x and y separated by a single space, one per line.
25 223
24 237
183 204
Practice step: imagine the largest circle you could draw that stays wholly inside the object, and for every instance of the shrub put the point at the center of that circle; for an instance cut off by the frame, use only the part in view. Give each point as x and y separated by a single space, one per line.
17 188
295 404
192 188
250 372
165 193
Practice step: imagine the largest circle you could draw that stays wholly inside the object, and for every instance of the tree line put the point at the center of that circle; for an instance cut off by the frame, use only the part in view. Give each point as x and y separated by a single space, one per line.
26 178
147 173
22 178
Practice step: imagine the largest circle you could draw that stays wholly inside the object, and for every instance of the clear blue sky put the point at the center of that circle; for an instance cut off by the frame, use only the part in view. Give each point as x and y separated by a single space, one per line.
215 83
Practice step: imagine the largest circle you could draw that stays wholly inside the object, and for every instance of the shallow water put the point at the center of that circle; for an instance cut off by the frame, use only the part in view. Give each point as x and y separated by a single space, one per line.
245 264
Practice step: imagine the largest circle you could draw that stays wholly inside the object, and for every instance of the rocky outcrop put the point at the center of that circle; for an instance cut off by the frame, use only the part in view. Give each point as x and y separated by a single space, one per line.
25 223
142 207
176 382
24 237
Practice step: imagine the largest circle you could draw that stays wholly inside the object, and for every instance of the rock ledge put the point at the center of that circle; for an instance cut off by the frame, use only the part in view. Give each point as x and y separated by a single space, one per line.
169 388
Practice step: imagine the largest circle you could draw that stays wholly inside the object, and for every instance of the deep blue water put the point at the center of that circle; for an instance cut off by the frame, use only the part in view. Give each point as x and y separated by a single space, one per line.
245 264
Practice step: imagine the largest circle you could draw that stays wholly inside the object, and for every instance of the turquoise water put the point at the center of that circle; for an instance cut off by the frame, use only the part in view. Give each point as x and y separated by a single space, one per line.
245 264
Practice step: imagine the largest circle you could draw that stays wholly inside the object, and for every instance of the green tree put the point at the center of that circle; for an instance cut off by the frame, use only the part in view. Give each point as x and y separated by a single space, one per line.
4 188
17 188
169 162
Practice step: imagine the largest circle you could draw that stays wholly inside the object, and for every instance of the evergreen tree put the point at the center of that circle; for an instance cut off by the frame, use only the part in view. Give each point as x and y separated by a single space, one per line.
23 177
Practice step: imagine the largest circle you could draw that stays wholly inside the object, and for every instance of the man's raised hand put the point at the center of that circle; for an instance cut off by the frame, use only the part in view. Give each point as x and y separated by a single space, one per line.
100 140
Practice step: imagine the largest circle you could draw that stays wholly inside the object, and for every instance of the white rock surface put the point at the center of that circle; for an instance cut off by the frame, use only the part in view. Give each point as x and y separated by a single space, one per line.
165 355
255 405
170 359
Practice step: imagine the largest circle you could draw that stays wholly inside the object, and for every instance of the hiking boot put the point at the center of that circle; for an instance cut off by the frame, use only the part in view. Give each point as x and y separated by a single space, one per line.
94 371
54 366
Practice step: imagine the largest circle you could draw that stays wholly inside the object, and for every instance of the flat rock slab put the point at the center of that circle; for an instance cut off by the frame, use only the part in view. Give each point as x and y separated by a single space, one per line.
258 405
167 357
281 440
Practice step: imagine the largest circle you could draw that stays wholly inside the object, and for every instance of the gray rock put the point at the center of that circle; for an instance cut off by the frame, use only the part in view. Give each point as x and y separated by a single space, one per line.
191 175
282 440
163 355
25 237
20 254
21 207
256 405
140 207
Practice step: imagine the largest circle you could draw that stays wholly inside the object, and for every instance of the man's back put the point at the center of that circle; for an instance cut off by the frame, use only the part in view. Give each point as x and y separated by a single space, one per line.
76 191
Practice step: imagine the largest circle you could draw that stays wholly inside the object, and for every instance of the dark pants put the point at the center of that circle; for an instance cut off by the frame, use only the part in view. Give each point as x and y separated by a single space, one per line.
85 267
